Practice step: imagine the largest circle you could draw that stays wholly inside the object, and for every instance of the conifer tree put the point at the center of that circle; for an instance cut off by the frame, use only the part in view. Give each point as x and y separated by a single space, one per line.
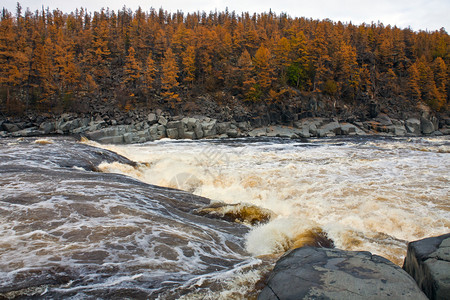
169 77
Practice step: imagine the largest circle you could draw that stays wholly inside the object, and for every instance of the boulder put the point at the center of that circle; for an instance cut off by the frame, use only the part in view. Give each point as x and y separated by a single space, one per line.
32 131
232 133
68 126
129 138
428 262
222 127
320 273
209 124
151 119
256 132
281 131
412 125
198 130
426 126
330 129
174 124
209 132
384 120
188 135
47 127
348 129
162 121
399 130
9 127
172 133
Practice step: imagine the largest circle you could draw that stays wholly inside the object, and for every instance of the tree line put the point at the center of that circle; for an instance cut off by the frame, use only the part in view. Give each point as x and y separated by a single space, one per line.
56 61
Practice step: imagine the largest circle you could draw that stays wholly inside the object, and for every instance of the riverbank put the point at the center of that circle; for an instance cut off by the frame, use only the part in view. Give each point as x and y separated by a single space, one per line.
142 126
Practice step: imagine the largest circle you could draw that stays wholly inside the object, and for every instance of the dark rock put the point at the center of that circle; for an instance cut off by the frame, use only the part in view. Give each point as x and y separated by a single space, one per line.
9 127
320 273
32 131
232 133
428 262
374 109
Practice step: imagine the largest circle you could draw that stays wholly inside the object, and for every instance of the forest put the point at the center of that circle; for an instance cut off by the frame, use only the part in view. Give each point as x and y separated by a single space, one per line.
52 61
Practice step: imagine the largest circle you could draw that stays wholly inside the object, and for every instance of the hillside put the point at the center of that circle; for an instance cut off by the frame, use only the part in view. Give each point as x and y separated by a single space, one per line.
56 62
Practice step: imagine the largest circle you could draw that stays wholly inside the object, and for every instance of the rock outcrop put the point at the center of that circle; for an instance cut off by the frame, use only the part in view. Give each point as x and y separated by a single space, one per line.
428 262
320 273
142 127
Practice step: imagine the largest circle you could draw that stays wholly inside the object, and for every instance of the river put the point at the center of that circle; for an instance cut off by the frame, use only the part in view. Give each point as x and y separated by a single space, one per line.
208 218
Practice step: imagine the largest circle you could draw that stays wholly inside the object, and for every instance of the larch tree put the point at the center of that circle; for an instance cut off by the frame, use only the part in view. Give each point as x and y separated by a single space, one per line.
150 73
188 62
169 76
132 71
11 60
263 68
414 82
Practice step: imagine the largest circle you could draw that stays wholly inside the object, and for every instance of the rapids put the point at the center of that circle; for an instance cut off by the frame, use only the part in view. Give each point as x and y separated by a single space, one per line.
367 193
206 219
67 231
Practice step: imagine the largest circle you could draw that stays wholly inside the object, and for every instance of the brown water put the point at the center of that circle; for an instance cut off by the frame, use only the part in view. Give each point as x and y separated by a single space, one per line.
70 231
364 193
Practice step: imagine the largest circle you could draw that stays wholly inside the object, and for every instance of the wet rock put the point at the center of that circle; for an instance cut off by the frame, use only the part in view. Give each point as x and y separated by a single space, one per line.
426 126
320 273
428 262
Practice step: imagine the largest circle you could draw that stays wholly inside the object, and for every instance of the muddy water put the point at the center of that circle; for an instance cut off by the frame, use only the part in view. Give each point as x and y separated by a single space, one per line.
370 194
67 231
84 221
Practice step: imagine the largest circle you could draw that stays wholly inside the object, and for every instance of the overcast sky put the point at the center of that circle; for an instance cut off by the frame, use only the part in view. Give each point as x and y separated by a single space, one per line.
417 14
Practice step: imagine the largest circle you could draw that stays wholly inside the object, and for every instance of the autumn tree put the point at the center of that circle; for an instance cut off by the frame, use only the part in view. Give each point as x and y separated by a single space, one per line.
263 69
150 73
12 60
188 62
169 76
132 70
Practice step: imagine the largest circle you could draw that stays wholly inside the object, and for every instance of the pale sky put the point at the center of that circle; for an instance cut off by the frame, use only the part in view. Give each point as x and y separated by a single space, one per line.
417 14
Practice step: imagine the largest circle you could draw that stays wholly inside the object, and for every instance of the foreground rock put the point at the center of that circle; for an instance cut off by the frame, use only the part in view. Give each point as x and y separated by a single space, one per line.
428 262
319 273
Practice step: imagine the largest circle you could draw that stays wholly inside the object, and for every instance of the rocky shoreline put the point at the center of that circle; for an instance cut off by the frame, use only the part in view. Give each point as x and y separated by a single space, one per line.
140 127
320 273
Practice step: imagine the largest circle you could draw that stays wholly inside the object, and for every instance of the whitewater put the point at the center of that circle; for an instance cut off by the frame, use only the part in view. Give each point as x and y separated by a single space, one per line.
207 218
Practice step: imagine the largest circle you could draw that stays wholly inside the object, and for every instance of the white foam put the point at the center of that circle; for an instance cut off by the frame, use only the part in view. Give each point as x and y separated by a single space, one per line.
354 190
